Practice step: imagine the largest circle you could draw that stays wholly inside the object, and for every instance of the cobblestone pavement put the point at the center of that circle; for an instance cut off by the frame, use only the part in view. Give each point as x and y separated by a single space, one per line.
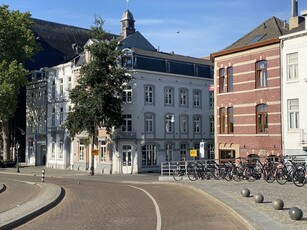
260 216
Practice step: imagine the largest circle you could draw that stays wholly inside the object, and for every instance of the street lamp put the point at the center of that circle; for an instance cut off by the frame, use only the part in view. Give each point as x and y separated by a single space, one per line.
17 155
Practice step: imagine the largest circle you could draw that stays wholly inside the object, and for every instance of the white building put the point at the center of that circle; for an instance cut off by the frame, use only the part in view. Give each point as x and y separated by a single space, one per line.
294 88
167 110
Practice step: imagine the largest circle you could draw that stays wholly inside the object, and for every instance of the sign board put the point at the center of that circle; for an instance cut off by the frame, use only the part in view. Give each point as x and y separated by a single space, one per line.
202 149
193 153
95 152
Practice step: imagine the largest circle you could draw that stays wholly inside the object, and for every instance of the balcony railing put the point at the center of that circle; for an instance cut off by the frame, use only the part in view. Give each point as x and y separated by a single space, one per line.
125 135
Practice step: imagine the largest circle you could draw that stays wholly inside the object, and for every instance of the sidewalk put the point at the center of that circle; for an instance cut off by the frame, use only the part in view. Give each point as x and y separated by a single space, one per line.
257 215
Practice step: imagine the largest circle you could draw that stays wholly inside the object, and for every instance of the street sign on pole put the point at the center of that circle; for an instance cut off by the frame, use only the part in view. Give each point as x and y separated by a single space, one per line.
193 153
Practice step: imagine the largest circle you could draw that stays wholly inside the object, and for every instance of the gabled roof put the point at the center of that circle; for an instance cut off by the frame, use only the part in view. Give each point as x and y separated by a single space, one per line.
137 40
271 28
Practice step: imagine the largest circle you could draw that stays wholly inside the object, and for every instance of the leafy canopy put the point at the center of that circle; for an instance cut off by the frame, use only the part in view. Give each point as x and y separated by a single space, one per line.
17 44
97 98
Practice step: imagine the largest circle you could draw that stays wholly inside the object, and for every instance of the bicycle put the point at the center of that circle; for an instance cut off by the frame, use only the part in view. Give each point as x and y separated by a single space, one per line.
179 172
300 175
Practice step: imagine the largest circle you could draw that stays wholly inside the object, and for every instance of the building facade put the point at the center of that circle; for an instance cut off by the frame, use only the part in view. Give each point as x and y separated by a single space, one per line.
294 86
167 110
247 93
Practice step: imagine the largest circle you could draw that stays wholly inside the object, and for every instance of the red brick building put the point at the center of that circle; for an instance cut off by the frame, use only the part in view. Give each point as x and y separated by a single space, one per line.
247 94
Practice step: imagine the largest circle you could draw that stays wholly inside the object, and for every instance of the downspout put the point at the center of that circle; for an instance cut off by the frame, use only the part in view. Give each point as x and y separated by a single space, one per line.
281 98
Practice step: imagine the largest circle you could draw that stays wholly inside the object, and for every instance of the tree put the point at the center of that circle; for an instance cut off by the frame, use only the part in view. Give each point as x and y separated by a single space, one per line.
17 44
97 98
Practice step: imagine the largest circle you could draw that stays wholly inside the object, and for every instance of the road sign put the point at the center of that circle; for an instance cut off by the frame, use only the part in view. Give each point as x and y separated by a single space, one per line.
193 153
95 152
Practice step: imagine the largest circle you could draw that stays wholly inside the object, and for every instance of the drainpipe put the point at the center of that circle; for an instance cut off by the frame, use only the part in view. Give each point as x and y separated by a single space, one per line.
281 97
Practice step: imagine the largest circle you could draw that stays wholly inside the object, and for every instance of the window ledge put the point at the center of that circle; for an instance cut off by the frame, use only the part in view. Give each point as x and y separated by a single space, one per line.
261 134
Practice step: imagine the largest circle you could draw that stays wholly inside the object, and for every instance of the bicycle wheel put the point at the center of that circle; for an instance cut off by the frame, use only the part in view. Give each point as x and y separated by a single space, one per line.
192 175
177 174
299 177
281 176
269 175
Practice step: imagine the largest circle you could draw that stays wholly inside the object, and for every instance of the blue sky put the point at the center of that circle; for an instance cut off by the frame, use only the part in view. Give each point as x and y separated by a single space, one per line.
205 26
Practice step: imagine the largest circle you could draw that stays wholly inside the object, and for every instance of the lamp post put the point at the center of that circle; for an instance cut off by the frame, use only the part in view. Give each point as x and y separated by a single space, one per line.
17 159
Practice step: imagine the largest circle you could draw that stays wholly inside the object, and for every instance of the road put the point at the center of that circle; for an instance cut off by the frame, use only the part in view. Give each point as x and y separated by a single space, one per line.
92 204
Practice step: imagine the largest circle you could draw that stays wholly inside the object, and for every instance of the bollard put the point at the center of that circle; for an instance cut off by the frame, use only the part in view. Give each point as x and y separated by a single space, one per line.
278 204
43 175
258 198
245 192
295 213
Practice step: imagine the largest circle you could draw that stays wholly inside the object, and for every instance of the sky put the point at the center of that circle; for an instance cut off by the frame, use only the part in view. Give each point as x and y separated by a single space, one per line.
193 28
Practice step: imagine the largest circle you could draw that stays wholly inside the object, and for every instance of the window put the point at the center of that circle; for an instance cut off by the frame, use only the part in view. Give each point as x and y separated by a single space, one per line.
61 115
149 95
183 121
293 113
211 99
292 66
169 152
52 150
53 90
149 155
230 120
261 74
183 152
168 67
127 123
169 123
183 97
69 83
230 79
127 93
222 120
126 155
222 80
103 150
127 59
149 122
61 150
168 96
61 87
53 117
212 124
262 118
81 152
196 98
196 124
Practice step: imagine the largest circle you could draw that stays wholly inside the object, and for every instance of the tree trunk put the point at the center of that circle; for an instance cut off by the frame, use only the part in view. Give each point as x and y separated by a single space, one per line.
5 137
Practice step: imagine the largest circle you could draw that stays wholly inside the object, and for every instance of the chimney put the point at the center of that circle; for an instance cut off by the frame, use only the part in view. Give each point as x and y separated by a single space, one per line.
295 20
304 14
294 8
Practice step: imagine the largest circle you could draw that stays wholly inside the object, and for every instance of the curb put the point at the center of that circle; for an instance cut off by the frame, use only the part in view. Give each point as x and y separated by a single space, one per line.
49 196
2 188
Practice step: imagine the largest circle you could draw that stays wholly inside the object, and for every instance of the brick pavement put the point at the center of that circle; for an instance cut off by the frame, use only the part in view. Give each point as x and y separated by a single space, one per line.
260 216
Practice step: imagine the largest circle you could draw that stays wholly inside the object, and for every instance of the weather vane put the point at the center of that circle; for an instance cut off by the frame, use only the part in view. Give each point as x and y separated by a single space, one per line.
127 3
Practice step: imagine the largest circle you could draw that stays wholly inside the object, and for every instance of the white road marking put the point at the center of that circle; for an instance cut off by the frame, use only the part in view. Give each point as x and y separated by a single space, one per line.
159 222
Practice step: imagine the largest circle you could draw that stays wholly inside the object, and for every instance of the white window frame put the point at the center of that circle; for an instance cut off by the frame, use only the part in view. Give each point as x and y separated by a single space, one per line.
196 123
292 67
293 114
149 94
127 93
168 96
196 98
149 122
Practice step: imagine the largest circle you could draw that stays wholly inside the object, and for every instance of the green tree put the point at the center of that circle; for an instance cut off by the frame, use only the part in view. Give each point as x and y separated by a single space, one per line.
97 98
17 44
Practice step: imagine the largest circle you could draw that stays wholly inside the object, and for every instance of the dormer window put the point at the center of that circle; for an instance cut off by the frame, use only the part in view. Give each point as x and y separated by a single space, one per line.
127 61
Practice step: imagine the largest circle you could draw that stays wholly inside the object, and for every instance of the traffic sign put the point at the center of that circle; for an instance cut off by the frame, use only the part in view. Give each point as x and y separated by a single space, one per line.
193 153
